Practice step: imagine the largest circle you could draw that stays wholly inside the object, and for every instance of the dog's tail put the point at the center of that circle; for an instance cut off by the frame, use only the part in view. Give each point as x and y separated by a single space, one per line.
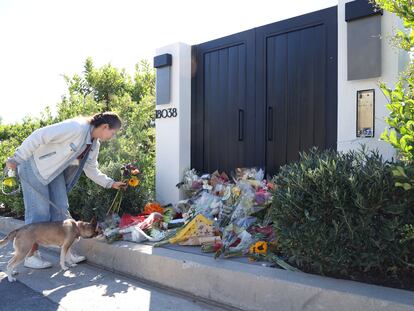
8 238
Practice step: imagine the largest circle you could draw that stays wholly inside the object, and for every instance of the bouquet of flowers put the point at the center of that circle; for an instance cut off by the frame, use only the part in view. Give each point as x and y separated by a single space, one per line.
129 174
10 184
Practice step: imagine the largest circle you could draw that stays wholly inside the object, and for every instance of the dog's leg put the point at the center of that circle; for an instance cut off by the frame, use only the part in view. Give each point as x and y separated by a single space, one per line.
64 252
10 267
17 258
62 258
21 249
69 259
32 250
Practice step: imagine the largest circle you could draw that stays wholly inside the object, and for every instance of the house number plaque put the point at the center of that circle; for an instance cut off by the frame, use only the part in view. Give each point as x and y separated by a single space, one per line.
166 113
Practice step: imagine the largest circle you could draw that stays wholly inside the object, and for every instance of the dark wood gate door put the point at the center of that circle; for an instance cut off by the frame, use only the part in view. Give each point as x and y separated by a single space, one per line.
297 84
263 95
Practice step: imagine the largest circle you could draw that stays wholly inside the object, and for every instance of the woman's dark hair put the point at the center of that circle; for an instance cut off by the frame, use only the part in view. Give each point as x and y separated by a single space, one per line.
108 117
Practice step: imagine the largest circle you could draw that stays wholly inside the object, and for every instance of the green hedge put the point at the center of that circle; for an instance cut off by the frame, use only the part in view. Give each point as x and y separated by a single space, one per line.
341 214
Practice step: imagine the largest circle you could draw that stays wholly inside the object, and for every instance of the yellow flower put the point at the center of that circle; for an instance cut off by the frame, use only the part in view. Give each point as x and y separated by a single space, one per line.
236 191
9 182
258 248
133 181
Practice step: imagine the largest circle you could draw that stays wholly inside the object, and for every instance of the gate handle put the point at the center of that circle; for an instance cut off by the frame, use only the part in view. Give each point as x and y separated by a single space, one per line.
241 123
269 123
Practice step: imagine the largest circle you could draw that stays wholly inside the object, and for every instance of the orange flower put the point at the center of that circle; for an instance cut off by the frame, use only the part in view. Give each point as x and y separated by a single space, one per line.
152 207
135 172
133 182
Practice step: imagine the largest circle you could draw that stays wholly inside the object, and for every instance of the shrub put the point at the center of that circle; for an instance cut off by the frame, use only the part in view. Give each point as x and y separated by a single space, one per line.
87 199
341 214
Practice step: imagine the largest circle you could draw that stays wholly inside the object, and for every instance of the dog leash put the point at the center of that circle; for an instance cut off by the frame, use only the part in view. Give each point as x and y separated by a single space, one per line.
67 214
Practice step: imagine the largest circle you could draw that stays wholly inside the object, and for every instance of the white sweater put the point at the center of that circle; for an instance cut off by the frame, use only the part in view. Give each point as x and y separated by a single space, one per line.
55 146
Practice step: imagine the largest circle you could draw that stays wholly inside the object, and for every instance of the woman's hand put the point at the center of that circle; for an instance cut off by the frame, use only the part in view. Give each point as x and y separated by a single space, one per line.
10 164
119 185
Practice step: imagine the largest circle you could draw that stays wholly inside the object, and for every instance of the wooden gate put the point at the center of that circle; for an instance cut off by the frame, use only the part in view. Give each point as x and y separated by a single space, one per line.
261 96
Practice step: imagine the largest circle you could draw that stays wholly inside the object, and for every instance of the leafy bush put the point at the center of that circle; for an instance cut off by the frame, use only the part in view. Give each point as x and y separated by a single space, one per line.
96 90
87 199
400 133
341 214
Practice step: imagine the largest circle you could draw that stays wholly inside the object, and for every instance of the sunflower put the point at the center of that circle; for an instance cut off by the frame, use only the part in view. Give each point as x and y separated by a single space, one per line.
133 181
258 248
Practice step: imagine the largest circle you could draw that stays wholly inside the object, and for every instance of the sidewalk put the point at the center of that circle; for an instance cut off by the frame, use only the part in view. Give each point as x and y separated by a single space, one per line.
85 287
19 297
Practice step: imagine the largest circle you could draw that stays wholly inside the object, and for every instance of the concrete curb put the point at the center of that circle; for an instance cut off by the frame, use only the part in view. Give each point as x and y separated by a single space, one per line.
248 287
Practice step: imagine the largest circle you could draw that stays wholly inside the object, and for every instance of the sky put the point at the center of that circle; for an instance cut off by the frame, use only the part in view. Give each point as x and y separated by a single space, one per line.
42 40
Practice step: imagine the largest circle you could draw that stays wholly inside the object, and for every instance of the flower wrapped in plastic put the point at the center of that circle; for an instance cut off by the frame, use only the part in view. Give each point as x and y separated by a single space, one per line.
10 184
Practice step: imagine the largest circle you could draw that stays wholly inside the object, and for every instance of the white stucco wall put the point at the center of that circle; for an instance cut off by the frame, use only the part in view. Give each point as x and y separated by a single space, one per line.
393 61
173 134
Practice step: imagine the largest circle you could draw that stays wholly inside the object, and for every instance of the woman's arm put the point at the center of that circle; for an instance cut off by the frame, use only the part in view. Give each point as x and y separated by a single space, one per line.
55 133
92 171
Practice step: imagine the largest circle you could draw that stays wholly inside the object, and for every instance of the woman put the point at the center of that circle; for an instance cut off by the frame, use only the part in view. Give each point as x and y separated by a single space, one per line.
49 163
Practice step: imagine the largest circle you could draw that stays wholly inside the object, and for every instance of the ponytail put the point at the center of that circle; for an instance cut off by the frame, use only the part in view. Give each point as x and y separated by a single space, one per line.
108 117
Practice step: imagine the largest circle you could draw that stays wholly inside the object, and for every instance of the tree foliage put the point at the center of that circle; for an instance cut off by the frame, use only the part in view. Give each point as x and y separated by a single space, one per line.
400 120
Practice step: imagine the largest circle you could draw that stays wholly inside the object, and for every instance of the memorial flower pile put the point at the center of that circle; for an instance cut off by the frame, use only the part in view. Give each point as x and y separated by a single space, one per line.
236 207
228 216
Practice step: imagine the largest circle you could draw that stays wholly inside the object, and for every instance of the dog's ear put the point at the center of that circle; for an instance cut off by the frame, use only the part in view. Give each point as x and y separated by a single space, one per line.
93 221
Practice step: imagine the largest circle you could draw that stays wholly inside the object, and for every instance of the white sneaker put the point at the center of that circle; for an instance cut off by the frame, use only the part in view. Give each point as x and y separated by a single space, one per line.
36 262
77 258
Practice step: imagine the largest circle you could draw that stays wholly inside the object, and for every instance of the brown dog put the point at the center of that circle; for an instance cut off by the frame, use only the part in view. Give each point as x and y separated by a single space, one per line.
59 233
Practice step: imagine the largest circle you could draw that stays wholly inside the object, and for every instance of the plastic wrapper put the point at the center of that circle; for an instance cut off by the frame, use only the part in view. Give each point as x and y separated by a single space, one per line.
204 203
129 220
225 215
248 173
199 240
246 240
137 235
212 247
110 228
183 206
191 183
245 206
245 222
199 226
